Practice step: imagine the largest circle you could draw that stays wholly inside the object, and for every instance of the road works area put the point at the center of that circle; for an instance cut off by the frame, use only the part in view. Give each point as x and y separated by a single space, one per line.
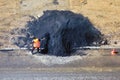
92 65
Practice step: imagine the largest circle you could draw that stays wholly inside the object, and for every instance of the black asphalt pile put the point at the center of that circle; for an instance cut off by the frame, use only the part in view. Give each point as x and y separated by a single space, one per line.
60 32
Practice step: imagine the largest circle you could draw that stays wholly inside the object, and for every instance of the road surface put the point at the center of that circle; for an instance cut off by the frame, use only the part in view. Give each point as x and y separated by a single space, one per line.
94 65
38 75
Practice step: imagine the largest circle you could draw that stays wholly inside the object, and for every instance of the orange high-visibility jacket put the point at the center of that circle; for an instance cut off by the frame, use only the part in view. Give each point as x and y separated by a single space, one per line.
36 43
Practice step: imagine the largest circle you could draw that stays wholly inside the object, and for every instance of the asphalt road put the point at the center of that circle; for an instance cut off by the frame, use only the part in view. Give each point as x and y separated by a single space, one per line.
91 58
94 65
36 75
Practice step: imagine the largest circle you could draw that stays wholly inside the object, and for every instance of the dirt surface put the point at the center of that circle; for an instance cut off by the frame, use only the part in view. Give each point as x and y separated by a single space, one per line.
103 14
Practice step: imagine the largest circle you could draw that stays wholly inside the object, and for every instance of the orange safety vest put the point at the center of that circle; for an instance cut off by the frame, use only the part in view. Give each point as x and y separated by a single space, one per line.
36 43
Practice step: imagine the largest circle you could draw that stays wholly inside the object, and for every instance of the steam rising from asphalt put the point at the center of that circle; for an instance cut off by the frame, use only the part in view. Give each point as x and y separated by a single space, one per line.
53 60
62 30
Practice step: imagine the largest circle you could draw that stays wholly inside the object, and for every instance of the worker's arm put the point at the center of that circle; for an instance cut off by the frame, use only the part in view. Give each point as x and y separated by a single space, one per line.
42 39
32 42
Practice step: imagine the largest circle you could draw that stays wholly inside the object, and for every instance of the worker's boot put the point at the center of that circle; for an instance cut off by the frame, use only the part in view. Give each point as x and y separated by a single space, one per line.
38 50
32 51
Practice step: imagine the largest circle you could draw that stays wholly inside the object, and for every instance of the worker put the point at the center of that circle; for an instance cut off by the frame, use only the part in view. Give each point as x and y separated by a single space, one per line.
36 44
